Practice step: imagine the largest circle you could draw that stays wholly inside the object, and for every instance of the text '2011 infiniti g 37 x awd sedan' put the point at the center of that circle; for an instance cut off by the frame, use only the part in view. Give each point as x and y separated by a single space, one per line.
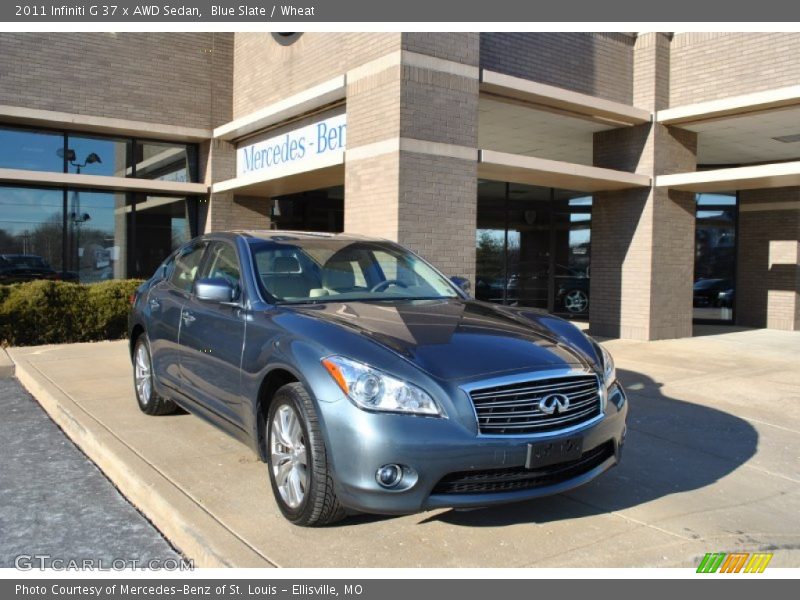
369 382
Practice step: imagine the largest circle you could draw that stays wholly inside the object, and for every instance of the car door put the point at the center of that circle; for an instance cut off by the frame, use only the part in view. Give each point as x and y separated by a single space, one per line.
164 305
212 337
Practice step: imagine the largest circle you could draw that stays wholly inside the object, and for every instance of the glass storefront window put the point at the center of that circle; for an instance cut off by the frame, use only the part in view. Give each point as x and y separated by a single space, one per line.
98 235
31 234
165 161
98 156
533 247
31 150
715 257
60 152
314 210
162 224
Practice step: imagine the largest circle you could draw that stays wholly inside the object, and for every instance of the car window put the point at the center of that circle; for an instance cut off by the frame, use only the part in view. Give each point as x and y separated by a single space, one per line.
186 266
289 271
223 263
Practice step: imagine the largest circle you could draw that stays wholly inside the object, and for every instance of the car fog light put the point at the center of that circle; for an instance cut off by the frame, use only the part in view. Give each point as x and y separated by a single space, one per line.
389 476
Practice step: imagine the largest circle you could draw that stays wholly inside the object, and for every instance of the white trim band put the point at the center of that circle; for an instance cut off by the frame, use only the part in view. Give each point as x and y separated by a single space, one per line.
302 102
399 144
563 99
51 119
412 59
735 105
100 182
736 178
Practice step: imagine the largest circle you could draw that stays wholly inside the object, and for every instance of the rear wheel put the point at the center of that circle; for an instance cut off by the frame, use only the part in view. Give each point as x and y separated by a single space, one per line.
149 401
298 463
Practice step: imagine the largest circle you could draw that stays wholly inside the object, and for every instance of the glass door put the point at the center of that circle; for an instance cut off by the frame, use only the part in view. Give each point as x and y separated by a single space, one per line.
715 258
533 247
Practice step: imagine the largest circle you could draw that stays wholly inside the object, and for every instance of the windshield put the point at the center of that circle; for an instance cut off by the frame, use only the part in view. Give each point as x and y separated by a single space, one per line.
293 271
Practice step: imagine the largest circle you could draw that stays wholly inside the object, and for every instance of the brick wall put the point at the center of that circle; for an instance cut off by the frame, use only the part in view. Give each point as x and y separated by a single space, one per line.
174 78
439 107
459 47
768 269
707 66
420 198
438 215
600 64
265 71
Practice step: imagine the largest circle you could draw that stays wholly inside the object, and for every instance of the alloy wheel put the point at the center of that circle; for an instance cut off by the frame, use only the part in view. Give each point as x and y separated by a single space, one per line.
576 301
143 374
289 456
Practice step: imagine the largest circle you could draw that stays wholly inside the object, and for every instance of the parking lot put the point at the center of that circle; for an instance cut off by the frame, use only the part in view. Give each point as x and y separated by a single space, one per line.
712 463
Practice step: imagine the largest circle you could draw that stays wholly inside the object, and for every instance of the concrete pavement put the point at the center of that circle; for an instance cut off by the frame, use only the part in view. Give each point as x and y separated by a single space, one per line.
712 464
54 501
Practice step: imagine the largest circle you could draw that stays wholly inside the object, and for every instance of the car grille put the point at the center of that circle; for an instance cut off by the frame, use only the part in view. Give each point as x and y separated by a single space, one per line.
519 478
514 409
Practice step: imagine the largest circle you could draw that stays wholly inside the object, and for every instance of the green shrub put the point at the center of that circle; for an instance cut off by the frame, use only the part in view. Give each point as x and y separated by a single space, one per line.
59 312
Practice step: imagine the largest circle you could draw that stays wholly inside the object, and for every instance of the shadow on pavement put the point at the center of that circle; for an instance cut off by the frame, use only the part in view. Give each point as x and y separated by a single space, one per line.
672 447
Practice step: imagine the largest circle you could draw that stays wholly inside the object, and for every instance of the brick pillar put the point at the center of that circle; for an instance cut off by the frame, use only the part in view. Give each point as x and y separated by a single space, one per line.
411 160
226 210
643 239
768 261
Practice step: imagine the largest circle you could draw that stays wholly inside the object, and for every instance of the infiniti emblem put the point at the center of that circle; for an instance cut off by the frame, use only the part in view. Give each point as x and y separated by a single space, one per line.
554 403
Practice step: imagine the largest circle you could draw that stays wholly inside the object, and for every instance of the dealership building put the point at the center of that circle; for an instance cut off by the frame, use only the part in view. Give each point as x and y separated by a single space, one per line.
641 181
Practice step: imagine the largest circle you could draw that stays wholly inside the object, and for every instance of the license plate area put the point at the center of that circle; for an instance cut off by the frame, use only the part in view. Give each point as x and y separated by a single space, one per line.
543 454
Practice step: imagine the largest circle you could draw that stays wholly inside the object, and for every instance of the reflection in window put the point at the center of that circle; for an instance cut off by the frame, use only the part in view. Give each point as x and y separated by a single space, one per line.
98 235
165 161
31 243
162 224
31 150
533 247
97 155
715 257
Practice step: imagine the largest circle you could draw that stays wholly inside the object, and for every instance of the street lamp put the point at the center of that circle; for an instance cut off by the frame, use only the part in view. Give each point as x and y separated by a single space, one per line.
77 218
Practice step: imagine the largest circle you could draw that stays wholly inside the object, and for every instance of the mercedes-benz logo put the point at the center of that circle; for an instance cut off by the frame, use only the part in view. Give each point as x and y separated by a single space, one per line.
554 403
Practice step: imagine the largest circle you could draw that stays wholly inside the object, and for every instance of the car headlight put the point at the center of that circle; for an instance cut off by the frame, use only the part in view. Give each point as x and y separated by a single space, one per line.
609 370
372 389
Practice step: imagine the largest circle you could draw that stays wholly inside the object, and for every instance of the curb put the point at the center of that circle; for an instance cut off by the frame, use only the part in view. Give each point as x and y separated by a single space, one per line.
196 533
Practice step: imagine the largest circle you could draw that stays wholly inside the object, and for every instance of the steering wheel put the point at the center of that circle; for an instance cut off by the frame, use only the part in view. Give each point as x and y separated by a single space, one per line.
379 287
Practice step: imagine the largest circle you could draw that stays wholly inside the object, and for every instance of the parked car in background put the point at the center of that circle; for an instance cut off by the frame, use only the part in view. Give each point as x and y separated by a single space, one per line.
712 293
16 268
367 381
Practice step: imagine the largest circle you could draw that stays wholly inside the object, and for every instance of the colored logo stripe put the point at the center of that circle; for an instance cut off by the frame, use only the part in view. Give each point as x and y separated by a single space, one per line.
735 562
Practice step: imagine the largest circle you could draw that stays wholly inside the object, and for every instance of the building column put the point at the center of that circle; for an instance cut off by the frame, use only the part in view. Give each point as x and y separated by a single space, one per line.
768 259
411 159
643 239
225 210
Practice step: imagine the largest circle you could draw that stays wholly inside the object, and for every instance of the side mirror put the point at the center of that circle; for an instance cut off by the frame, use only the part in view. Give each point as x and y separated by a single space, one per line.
462 283
214 289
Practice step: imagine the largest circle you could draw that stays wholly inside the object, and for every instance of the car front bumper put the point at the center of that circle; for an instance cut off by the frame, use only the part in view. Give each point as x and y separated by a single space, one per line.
431 449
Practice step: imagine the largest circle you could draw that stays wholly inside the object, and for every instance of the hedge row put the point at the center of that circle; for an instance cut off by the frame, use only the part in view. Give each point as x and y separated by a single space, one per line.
59 312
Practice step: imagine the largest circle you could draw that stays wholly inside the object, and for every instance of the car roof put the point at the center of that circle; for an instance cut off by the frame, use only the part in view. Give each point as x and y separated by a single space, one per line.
278 234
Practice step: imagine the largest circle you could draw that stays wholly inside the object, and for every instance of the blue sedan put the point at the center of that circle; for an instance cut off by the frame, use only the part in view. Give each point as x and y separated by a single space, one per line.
366 380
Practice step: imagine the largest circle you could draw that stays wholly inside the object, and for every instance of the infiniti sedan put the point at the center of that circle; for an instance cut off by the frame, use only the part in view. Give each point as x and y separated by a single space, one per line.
367 381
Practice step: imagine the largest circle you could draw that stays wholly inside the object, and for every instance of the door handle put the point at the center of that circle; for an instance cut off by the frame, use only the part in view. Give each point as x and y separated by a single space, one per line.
155 304
188 317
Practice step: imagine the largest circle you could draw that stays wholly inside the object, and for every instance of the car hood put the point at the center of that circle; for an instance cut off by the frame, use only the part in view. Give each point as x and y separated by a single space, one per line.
457 339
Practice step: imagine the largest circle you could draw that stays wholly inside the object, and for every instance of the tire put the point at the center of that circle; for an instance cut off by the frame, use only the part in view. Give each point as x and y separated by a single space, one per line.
148 399
297 460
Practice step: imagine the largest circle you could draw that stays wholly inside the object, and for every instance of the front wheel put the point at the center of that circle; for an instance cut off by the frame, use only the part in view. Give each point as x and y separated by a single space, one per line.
149 401
298 462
